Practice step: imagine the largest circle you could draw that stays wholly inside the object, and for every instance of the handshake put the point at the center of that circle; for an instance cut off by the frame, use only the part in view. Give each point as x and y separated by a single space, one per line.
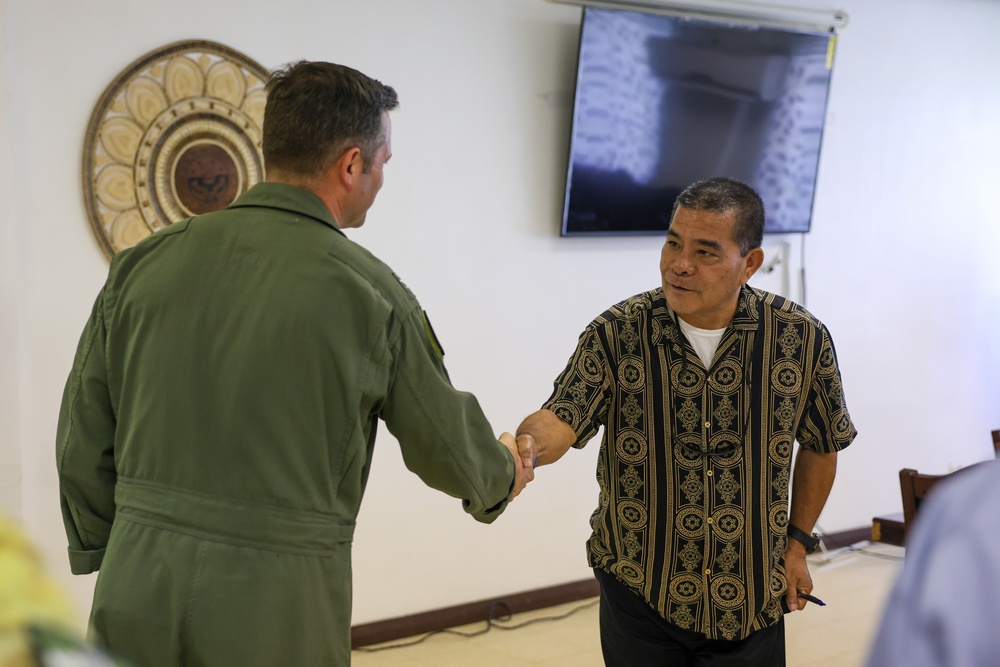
525 452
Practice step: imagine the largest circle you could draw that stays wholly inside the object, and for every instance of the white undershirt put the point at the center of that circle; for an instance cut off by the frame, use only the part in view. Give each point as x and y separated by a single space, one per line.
704 341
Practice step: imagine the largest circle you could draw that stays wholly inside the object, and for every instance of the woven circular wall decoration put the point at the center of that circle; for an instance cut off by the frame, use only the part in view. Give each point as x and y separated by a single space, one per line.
176 134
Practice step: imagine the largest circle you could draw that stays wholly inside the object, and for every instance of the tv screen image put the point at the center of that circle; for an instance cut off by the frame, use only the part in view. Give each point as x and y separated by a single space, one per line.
663 101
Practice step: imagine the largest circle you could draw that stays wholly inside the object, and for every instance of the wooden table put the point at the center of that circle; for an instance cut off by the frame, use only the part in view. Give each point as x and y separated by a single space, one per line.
889 529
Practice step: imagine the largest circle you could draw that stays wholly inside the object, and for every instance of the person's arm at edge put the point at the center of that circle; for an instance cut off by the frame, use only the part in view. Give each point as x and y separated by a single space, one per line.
811 484
544 438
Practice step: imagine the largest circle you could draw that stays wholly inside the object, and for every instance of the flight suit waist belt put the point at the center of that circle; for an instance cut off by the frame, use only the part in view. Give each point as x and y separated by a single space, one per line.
230 520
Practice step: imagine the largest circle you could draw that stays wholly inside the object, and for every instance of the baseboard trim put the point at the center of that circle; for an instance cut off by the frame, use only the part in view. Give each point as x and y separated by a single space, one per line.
392 629
472 612
846 538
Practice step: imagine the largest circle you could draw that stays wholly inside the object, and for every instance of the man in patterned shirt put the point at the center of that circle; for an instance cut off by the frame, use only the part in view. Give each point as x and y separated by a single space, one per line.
701 386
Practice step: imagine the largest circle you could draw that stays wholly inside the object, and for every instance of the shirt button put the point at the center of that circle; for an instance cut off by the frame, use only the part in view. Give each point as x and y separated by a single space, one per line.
708 520
708 571
708 424
708 472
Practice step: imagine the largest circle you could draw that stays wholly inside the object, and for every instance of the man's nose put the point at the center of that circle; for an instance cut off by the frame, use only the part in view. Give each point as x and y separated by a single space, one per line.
682 265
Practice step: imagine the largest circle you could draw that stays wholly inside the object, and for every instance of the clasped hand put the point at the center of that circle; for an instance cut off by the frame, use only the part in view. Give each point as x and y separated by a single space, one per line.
525 454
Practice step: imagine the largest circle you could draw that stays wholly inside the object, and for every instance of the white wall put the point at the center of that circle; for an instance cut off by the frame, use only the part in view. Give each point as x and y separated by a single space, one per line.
902 263
10 412
899 263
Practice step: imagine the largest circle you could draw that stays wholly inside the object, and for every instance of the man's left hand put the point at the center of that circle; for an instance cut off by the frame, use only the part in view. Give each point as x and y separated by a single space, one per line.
797 575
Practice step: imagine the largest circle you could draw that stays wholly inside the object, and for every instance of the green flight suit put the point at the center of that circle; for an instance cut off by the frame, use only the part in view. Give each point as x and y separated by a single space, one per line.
217 429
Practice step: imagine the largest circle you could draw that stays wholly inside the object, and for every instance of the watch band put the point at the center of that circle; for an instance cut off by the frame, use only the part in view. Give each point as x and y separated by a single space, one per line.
810 542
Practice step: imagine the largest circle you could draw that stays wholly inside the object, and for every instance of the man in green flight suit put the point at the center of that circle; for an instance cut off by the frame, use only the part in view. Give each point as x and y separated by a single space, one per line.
217 427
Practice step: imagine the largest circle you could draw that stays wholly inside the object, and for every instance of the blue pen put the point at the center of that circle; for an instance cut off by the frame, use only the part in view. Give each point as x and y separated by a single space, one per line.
813 599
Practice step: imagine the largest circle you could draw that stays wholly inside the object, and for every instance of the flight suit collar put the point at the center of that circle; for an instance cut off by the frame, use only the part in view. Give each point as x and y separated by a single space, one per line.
289 198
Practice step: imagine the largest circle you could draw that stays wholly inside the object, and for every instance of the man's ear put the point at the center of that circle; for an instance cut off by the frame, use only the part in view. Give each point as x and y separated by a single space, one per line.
348 166
753 261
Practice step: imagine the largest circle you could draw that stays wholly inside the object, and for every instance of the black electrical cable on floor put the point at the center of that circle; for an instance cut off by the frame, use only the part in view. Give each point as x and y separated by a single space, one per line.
491 622
874 554
851 549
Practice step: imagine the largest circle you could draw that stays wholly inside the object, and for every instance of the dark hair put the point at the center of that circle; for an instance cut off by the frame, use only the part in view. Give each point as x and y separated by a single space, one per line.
316 110
722 195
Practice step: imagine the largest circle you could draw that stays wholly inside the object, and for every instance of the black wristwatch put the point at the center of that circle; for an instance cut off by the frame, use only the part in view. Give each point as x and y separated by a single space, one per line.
810 542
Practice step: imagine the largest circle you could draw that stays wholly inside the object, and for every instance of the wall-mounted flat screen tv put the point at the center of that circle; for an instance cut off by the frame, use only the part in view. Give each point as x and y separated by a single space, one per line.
663 101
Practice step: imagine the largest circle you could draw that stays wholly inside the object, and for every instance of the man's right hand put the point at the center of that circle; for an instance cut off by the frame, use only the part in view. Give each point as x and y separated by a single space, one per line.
527 448
524 460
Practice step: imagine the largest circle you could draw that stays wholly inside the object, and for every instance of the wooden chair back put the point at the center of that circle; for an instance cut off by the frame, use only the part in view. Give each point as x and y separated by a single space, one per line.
915 487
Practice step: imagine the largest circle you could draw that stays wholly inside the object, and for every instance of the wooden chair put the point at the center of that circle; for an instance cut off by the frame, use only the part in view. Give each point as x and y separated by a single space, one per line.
996 441
915 487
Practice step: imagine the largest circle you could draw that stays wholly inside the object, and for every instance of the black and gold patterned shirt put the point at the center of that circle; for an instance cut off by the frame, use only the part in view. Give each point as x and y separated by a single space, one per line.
695 463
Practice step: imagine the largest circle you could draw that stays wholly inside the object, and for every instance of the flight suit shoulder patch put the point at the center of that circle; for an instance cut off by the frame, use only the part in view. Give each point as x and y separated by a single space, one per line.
431 336
435 343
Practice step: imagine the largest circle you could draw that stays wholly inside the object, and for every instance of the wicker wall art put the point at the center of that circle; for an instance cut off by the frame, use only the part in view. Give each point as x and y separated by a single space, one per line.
176 134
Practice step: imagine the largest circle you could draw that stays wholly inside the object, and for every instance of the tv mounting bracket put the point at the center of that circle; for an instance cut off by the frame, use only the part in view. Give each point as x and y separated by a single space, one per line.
734 11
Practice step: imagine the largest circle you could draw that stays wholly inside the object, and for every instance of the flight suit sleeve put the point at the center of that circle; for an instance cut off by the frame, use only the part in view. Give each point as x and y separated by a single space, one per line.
444 436
85 450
